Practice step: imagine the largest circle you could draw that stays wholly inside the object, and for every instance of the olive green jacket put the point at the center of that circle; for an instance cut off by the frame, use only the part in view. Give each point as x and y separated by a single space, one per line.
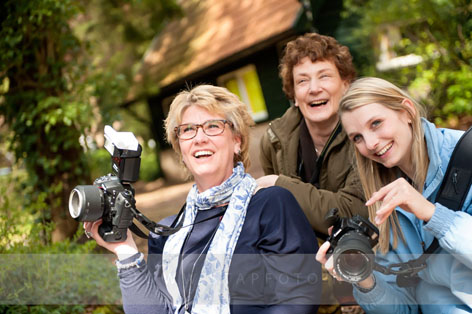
339 181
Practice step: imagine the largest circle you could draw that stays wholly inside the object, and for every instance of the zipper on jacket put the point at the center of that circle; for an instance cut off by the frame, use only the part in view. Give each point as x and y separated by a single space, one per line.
331 138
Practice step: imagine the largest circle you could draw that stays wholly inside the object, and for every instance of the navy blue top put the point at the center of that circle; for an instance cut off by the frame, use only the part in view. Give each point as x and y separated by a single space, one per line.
273 269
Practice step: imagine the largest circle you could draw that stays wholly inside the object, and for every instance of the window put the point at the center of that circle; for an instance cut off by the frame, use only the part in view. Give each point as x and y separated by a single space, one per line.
245 83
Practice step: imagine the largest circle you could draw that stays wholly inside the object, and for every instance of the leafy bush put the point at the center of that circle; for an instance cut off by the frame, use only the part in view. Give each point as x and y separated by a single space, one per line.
438 31
36 277
99 162
150 169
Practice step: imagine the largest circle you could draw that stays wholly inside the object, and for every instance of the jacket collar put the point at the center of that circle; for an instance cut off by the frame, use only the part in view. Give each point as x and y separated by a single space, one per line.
434 141
287 127
288 123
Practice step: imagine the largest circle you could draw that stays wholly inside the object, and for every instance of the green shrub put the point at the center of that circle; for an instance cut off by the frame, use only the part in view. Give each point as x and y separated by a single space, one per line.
37 277
150 169
99 161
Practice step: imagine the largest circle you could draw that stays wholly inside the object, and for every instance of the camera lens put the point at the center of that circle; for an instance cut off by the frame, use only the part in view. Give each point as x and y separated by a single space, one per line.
353 257
86 203
353 262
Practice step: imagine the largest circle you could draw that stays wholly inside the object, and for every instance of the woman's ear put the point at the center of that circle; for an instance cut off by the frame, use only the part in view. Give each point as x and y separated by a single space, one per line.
237 145
410 107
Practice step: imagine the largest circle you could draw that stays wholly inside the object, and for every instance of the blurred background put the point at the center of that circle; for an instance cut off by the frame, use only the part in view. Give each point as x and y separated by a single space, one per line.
68 68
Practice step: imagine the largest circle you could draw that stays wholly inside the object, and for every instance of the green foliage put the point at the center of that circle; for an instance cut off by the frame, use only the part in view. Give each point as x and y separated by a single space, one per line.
65 66
118 32
63 277
149 170
43 103
437 30
99 162
41 309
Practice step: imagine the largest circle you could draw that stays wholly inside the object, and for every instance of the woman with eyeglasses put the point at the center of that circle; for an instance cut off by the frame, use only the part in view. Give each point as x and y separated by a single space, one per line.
241 249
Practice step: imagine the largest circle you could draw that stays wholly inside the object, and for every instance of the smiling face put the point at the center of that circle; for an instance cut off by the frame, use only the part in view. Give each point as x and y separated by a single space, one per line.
381 134
208 158
318 90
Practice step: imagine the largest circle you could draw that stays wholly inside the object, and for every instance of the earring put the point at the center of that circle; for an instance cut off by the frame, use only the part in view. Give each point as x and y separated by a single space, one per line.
409 121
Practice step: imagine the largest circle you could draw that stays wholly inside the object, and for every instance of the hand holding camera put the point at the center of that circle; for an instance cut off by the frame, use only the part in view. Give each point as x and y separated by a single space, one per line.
122 250
111 197
350 246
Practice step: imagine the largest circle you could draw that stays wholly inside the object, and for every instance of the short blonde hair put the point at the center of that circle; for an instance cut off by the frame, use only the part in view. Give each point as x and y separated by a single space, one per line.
374 175
217 100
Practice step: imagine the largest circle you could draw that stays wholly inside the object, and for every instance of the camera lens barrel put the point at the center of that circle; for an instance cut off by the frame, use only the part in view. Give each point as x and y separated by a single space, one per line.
353 257
86 203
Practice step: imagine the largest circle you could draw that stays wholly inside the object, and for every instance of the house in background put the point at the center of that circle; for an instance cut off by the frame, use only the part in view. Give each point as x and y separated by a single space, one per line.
236 44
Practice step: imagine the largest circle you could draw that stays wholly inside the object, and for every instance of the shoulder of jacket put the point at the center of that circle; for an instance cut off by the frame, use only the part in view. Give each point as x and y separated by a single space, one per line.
440 142
270 133
284 126
341 141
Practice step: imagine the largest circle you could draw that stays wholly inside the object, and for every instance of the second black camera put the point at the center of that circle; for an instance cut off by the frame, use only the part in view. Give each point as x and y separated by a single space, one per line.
352 241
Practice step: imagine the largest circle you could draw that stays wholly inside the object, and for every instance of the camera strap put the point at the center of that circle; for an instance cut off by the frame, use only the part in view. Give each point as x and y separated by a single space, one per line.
161 229
157 228
452 194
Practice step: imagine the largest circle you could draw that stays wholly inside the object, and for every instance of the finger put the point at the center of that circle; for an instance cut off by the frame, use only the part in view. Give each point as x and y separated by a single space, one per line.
377 196
383 193
95 225
388 206
87 227
395 187
337 277
380 219
321 254
330 230
329 266
392 200
385 211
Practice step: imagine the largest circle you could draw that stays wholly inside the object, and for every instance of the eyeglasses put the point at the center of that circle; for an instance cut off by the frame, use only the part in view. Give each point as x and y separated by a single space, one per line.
211 128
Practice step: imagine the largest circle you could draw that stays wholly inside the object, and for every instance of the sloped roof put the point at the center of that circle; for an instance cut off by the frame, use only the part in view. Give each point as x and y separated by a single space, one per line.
210 31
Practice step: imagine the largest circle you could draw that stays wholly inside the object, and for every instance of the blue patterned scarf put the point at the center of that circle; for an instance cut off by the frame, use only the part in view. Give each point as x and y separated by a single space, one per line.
212 294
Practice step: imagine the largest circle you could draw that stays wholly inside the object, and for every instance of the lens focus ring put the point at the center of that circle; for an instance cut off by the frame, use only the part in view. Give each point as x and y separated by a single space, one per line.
353 257
86 203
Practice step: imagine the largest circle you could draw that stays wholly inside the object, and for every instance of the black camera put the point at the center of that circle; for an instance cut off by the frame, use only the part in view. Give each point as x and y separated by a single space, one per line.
111 197
352 240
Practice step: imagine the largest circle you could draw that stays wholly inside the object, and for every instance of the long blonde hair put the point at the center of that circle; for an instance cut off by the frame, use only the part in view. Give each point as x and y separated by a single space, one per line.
374 175
216 100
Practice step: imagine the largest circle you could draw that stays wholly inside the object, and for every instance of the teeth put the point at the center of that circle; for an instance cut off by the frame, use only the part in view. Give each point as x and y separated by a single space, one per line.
384 150
203 153
318 102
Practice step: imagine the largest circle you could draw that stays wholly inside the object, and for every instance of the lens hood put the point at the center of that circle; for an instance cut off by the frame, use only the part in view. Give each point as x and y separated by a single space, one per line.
353 257
86 203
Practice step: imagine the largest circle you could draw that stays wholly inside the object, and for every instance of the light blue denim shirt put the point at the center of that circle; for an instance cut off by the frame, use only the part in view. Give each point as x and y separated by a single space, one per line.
446 283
